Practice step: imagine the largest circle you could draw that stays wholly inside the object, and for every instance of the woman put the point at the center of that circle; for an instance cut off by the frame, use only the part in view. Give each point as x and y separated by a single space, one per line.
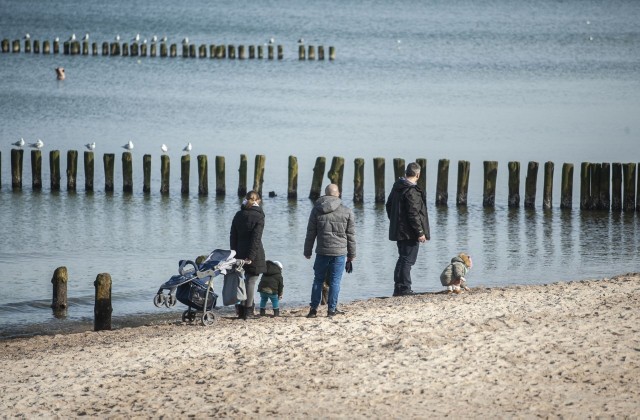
246 239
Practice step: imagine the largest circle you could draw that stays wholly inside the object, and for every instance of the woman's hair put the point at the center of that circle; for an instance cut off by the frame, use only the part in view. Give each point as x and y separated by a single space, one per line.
252 198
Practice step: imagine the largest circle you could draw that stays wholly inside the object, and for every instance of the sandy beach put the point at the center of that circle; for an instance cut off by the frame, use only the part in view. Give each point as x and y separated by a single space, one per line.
558 350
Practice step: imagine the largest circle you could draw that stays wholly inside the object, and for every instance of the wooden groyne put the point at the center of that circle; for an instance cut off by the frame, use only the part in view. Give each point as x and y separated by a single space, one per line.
603 186
162 48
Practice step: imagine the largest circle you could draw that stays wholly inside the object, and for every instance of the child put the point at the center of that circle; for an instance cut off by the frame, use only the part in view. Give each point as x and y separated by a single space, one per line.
453 276
270 287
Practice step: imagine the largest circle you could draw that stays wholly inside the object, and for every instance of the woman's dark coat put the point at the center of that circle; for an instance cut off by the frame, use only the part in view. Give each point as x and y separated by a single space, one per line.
246 238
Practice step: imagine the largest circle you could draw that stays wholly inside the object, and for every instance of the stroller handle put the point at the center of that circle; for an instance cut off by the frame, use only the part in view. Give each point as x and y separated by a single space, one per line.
183 264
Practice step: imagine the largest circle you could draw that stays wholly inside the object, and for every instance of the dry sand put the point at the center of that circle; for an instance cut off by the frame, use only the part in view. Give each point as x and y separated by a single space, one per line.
559 350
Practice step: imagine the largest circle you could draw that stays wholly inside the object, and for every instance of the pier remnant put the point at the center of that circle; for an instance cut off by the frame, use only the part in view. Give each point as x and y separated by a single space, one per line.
221 188
336 172
547 191
566 190
378 179
514 184
463 183
72 169
242 176
292 178
258 174
616 186
102 309
185 173
358 180
36 170
489 189
629 187
442 183
203 175
59 280
318 175
399 168
165 170
54 167
16 168
146 173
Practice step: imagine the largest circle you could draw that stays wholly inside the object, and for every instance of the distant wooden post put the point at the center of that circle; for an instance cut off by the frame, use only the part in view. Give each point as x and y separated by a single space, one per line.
292 184
94 48
59 280
16 168
463 183
85 47
102 309
125 49
530 185
358 180
320 52
629 187
231 51
135 49
143 50
332 53
46 47
301 52
173 50
127 172
378 179
202 51
146 173
318 174
192 50
547 192
336 172
27 46
616 186
203 176
242 176
108 160
153 50
165 170
36 47
54 166
638 188
260 52
258 174
221 51
56 47
605 186
1 170
398 168
514 184
270 52
185 172
311 52
442 183
164 51
280 52
595 170
105 48
75 47
221 188
72 169
252 52
16 46
566 194
5 45
585 186
241 54
422 181
489 188
36 170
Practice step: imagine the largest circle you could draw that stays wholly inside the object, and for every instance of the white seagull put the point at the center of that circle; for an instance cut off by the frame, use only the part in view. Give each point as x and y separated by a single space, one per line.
154 38
27 36
136 38
128 146
164 148
185 41
73 37
187 148
271 40
164 39
37 145
90 146
86 37
301 41
19 143
117 38
56 39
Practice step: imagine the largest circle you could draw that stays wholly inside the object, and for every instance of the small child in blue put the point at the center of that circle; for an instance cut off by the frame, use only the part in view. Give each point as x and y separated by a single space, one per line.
270 287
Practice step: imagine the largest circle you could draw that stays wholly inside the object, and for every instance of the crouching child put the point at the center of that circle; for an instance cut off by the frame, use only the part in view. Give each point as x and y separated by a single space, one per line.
453 276
270 287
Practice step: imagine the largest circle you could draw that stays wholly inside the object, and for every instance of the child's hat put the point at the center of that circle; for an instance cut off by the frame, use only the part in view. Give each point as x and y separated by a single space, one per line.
466 259
278 263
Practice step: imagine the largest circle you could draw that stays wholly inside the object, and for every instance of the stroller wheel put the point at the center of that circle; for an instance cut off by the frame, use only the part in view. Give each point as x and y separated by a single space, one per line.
170 301
188 316
208 318
159 299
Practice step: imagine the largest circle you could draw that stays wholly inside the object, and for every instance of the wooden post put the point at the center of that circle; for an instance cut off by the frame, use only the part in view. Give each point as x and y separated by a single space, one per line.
463 183
202 51
125 49
75 47
231 51
54 166
301 52
270 52
514 184
88 170
165 170
153 50
280 52
94 48
163 50
36 170
292 184
221 51
332 53
115 49
242 176
318 174
616 186
320 52
46 47
629 187
173 50
5 45
312 52
36 47
102 309
146 173
585 186
221 187
203 175
185 172
16 46
127 172
252 52
595 170
56 47
105 48
358 180
605 186
566 194
134 49
72 169
16 168
547 192
422 181
442 183
192 51
638 188
108 160
27 46
241 54
85 47
143 50
336 172
489 189
378 179
398 168
212 51
59 301
258 174
530 185
260 52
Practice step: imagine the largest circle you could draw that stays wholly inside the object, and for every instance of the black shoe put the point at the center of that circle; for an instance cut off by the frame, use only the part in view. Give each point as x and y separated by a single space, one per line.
263 311
335 312
407 292
313 313
276 312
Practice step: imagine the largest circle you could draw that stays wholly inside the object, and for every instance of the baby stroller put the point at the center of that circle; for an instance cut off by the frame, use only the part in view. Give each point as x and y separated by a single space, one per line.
194 286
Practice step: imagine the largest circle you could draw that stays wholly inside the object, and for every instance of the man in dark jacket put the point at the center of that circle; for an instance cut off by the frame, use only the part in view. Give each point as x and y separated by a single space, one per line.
332 224
409 225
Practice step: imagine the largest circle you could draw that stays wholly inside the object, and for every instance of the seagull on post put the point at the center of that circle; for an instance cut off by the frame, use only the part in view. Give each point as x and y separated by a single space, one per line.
86 37
187 148
37 145
19 143
128 146
164 148
90 146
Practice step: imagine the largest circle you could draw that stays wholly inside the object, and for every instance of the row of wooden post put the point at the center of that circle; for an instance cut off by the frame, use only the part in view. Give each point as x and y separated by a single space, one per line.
602 185
163 49
102 307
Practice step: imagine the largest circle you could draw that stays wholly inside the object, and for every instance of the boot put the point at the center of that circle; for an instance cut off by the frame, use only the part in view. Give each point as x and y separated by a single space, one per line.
249 311
242 313
263 312
276 312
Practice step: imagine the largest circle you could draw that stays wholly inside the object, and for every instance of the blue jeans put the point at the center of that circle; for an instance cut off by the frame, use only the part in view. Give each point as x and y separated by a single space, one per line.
335 267
407 256
264 297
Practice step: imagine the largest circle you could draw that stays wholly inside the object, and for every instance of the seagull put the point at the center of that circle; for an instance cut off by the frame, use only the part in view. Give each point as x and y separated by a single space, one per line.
27 36
117 38
144 41
185 41
128 146
37 145
164 148
187 148
19 143
90 146
85 37
56 40
164 39
136 38
154 38
301 41
73 37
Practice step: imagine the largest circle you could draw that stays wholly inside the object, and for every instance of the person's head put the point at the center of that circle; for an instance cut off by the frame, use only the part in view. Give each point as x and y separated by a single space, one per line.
413 170
251 199
466 259
332 190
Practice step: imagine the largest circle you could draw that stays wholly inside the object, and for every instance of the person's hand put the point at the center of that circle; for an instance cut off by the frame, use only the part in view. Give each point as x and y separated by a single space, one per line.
308 257
350 259
422 239
247 261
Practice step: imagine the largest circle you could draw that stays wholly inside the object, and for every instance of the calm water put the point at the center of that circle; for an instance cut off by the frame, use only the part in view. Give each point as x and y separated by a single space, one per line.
478 81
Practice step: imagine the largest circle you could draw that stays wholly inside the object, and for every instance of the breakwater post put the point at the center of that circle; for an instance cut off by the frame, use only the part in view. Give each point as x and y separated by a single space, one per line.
301 52
202 51
59 301
605 186
165 169
547 192
292 178
72 169
489 190
280 52
332 53
616 186
203 176
258 174
102 309
336 172
312 52
378 179
358 180
242 176
422 181
54 166
595 169
127 172
270 52
318 174
5 45
212 51
252 52
36 170
108 160
163 50
463 183
638 188
514 184
88 170
56 46
585 186
153 50
85 47
146 174
398 168
105 48
260 52
16 46
629 187
221 188
530 185
16 168
566 191
27 45
185 173
36 47
94 48
320 52
173 50
46 47
442 183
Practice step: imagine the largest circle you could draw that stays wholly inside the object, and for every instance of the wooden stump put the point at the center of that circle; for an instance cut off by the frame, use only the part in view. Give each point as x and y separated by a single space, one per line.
336 172
127 172
311 52
629 187
358 180
85 47
530 185
102 309
202 51
164 52
105 48
616 186
5 45
514 184
258 174
463 182
173 50
185 173
316 181
231 53
442 183
422 181
146 174
72 169
489 189
301 52
46 47
605 186
398 168
378 179
270 52
108 160
192 50
153 50
125 49
252 52
242 176
566 194
241 54
165 169
203 175
280 52
547 192
332 53
221 188
54 166
320 53
36 170
595 170
16 168
56 47
59 301
292 178
585 186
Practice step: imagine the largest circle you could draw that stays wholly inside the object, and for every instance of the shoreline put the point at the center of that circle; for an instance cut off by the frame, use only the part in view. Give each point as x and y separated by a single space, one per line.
561 349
